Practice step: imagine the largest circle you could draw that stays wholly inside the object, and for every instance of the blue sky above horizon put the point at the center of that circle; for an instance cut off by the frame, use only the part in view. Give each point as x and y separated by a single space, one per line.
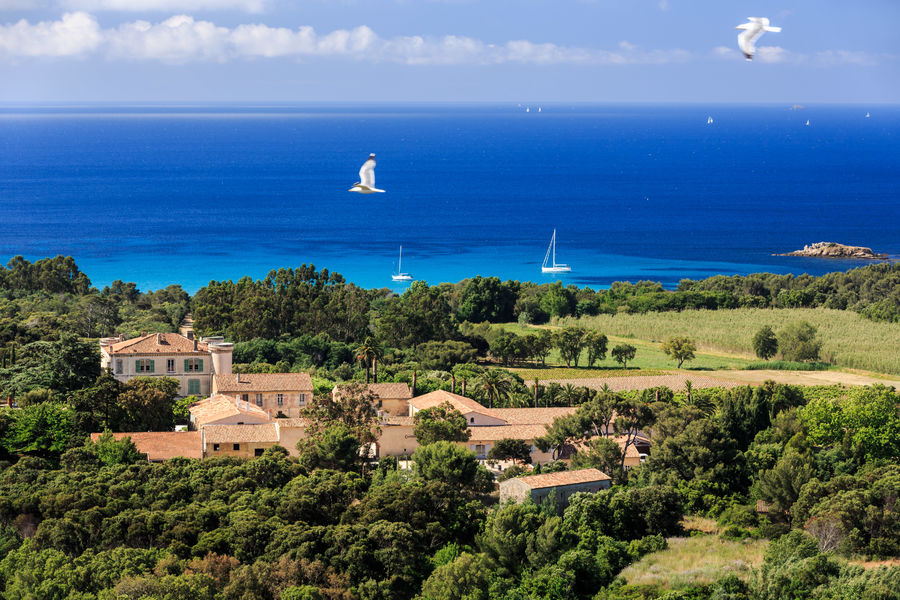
445 50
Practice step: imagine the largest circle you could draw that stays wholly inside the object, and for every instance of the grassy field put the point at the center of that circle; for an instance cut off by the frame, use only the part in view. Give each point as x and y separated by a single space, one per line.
848 340
648 358
695 561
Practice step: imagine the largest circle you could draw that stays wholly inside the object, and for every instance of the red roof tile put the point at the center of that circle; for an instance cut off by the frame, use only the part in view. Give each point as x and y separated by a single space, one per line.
159 343
460 403
220 407
163 445
263 382
234 434
545 480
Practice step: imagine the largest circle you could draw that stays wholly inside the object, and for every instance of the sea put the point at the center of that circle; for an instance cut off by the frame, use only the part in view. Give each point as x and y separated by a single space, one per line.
185 194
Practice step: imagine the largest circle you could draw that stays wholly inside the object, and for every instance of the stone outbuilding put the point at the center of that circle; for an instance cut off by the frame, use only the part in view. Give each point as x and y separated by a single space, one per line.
562 483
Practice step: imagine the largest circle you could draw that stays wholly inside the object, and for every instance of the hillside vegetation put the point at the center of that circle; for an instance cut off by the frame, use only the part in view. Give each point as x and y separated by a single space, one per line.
848 339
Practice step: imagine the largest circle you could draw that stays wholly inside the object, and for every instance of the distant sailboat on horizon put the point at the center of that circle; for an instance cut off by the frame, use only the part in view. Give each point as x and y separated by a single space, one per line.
867 115
709 120
551 252
400 275
807 122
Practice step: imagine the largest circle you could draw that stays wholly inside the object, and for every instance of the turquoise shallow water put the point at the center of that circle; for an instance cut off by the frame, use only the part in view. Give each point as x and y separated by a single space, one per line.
177 194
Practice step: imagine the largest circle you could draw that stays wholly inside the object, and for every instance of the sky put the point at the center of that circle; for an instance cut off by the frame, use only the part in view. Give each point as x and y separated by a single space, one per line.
279 51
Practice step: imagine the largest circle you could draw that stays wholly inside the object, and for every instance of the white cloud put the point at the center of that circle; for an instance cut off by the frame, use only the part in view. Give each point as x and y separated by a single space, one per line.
250 6
73 35
177 39
774 54
847 57
182 39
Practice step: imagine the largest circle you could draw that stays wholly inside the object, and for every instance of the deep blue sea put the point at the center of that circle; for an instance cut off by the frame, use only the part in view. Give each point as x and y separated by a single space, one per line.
186 194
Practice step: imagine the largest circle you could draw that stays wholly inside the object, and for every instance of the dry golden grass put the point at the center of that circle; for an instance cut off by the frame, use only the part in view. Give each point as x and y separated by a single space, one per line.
848 340
695 523
696 560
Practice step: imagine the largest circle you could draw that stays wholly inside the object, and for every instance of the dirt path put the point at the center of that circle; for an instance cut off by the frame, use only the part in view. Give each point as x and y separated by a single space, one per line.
674 381
803 377
725 378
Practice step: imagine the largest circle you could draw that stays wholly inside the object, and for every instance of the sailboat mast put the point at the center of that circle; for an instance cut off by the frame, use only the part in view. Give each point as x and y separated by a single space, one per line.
400 261
554 247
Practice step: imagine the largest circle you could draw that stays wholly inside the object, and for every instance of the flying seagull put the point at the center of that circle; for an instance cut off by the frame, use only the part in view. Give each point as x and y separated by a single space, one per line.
752 31
366 183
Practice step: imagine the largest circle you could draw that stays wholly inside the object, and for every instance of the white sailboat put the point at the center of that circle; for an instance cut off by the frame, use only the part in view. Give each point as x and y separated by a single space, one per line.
400 275
709 120
868 115
551 252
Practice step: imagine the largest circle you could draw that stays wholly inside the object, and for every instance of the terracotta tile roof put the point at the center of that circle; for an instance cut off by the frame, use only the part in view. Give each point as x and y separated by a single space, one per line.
233 434
545 480
532 416
158 343
402 421
460 403
390 390
220 407
500 432
163 445
263 382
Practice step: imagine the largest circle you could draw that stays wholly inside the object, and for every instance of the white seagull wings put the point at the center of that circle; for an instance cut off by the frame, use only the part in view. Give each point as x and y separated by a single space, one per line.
752 30
366 183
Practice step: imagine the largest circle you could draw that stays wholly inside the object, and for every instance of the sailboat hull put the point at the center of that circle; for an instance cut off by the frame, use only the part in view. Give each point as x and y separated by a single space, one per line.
556 269
402 277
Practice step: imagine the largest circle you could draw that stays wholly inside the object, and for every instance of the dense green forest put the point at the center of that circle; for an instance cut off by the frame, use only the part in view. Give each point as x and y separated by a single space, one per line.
80 520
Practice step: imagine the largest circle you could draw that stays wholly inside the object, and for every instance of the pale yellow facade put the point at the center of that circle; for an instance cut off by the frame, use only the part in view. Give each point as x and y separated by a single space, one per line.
192 363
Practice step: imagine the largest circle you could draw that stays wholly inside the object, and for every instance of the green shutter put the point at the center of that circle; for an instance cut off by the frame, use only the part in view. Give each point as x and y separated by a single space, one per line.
201 365
137 366
152 366
186 366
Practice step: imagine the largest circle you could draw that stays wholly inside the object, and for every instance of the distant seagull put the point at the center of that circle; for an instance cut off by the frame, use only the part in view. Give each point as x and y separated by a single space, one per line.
752 31
366 183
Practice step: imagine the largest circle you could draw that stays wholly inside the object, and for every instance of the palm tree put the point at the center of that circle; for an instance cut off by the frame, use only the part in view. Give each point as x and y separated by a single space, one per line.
366 354
492 386
570 393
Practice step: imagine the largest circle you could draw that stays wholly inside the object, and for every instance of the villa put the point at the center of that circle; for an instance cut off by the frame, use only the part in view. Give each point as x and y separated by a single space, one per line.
278 394
191 362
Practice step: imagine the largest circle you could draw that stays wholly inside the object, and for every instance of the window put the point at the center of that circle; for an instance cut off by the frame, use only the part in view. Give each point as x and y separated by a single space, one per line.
302 399
215 447
144 365
193 365
193 387
280 398
479 449
471 419
170 365
245 397
118 366
237 446
259 399
258 452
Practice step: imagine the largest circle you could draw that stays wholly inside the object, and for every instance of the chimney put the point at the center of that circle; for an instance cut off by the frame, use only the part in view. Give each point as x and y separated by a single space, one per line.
195 344
238 377
158 338
190 334
143 334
